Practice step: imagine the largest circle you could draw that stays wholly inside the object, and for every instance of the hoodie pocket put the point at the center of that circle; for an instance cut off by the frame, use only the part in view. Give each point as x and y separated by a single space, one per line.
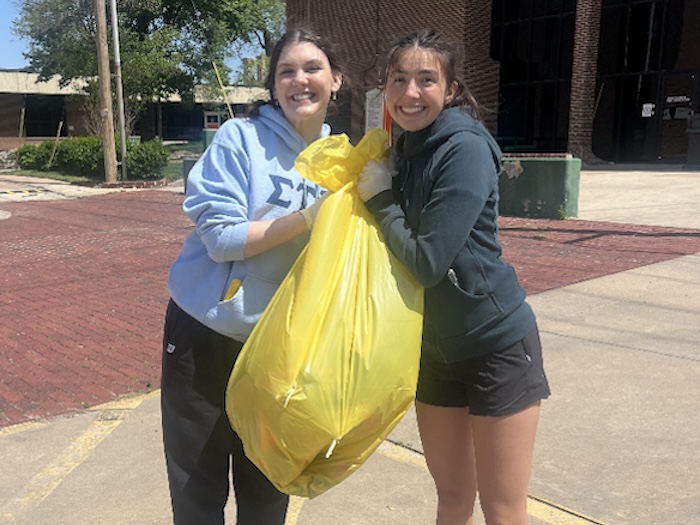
457 315
243 304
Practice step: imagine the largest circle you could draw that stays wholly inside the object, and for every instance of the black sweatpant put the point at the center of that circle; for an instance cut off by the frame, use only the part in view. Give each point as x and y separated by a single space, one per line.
199 442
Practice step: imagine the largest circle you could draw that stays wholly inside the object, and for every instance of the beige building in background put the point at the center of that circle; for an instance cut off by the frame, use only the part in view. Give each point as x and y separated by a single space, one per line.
32 111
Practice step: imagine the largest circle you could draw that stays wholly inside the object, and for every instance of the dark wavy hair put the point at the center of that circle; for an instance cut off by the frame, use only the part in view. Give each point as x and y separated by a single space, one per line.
447 55
296 35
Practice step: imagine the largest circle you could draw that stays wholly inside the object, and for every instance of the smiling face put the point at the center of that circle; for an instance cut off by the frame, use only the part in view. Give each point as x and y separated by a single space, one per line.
303 84
416 89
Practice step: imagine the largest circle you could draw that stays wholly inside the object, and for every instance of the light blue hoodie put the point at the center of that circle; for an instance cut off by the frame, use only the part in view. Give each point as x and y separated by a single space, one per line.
246 174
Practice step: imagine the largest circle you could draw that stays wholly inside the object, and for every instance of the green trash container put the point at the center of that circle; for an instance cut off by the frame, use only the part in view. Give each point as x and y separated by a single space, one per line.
208 136
540 186
187 164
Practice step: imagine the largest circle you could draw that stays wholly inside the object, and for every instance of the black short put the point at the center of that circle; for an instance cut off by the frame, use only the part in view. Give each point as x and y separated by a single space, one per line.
496 384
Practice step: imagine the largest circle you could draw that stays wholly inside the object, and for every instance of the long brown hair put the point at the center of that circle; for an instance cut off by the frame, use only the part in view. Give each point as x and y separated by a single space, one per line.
447 55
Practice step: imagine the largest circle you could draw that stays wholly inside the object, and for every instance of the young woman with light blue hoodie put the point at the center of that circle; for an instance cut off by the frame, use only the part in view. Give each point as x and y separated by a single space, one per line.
252 212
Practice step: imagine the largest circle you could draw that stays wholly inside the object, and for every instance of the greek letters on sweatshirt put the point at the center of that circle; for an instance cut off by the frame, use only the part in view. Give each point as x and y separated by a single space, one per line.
246 174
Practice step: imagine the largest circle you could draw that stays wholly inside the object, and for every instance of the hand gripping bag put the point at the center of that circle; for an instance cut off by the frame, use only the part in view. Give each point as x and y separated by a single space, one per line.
332 364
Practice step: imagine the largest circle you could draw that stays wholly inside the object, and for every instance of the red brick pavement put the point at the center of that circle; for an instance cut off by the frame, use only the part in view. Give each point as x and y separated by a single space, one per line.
549 254
82 295
83 288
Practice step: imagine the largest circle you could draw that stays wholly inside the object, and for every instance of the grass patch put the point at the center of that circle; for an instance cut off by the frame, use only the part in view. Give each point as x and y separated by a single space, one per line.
54 175
173 170
195 148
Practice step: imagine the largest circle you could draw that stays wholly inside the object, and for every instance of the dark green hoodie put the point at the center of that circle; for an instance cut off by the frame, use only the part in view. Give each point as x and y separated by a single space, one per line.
440 220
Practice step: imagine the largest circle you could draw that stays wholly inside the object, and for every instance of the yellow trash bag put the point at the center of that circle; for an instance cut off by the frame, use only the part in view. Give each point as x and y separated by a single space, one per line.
332 364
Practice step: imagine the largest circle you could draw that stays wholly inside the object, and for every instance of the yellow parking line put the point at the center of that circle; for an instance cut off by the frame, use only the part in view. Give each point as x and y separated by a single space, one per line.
390 450
125 403
555 514
402 454
22 427
538 508
294 510
13 192
110 416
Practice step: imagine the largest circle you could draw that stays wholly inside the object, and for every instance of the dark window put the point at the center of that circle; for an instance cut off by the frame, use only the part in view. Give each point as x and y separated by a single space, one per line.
642 37
516 44
642 43
516 10
568 24
533 41
44 115
631 38
612 41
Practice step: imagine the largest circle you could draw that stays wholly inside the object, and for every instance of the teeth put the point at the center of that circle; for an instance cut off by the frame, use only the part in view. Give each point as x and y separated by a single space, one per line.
414 109
302 96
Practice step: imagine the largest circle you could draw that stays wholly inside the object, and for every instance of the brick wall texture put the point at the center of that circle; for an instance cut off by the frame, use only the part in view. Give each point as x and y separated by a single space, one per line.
364 30
583 79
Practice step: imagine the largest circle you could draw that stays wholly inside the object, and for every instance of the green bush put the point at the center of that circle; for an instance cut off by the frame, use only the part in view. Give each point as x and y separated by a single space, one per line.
146 160
81 157
27 157
84 157
35 157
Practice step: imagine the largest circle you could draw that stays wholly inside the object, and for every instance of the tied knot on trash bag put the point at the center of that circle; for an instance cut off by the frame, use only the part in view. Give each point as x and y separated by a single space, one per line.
331 366
332 162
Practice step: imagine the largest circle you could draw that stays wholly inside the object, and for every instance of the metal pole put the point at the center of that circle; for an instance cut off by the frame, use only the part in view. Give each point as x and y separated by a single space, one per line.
110 153
118 82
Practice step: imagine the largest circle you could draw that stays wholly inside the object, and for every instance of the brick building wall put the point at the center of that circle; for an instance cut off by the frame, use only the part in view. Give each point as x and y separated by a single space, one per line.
482 74
364 29
10 143
583 79
10 114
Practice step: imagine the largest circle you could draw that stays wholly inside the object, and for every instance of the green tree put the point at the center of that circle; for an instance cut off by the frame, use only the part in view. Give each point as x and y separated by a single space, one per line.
166 46
259 21
57 32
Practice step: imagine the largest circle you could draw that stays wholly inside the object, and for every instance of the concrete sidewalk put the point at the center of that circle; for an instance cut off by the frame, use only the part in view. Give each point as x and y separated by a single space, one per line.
618 440
15 188
18 188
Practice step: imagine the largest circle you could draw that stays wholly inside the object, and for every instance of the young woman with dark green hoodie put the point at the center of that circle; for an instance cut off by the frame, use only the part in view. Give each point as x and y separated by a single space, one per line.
482 378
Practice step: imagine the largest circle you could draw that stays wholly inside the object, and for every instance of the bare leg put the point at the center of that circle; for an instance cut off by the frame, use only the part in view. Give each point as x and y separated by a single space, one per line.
461 448
449 453
504 449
